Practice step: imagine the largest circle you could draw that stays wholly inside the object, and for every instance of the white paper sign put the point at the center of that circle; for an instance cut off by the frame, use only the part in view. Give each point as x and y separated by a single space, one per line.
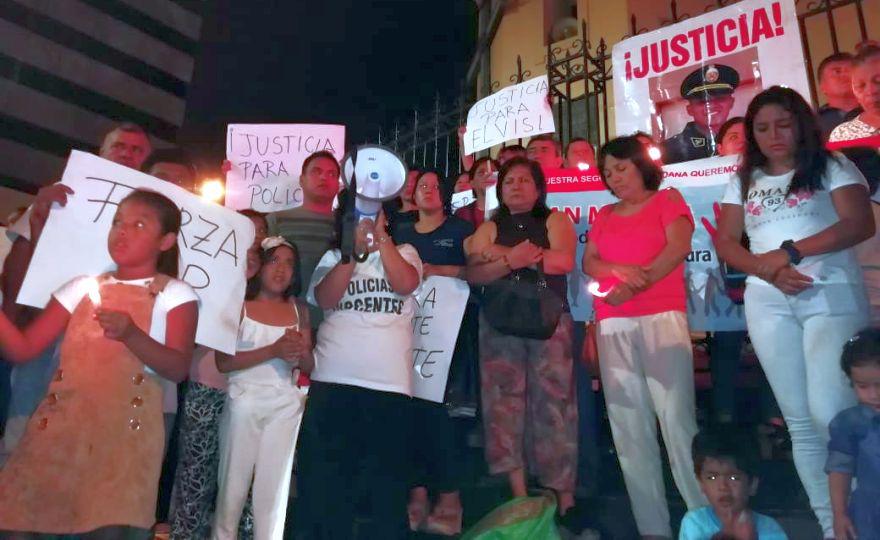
749 45
462 199
514 112
213 244
267 161
441 303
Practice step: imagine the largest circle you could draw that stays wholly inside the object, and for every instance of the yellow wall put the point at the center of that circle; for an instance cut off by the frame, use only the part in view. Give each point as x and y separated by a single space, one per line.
521 31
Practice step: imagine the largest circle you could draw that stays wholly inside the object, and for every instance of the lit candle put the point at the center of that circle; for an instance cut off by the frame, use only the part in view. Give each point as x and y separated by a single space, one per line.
593 288
94 291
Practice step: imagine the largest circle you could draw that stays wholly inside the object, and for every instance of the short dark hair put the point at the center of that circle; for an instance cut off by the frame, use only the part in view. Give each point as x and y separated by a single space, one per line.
830 59
725 127
251 213
321 154
867 160
254 283
540 210
178 156
549 138
810 156
865 53
169 221
446 188
518 148
629 147
576 139
480 161
729 444
863 349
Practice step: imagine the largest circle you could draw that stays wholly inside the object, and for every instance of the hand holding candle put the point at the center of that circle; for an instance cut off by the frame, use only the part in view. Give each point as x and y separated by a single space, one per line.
94 291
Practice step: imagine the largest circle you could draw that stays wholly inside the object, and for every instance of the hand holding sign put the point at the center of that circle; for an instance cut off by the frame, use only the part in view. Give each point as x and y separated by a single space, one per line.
521 110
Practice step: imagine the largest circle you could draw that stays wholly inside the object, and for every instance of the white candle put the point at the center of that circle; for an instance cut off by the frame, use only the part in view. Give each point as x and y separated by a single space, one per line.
94 291
593 288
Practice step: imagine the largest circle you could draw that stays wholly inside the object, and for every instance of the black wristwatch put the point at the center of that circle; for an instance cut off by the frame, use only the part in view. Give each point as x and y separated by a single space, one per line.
793 254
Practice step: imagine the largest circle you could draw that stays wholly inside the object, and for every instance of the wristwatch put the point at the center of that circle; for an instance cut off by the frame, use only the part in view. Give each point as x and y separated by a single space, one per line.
793 254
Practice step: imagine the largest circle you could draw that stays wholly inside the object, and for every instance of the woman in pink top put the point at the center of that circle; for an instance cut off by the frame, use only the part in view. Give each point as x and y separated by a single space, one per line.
636 255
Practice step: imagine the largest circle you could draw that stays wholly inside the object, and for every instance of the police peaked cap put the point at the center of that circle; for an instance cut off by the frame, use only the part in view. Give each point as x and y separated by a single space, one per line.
710 80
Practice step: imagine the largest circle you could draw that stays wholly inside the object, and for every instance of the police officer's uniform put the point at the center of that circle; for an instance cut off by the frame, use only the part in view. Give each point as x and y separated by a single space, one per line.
704 83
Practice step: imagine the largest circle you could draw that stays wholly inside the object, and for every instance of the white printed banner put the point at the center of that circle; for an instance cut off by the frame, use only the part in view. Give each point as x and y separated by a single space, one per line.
680 83
266 162
702 184
520 110
441 303
213 243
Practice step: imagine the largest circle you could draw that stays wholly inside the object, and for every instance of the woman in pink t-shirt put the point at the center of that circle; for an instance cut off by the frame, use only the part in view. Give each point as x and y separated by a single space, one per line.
636 255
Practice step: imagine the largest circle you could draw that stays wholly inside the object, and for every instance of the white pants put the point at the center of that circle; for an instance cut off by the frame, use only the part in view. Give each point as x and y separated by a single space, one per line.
258 434
647 372
799 340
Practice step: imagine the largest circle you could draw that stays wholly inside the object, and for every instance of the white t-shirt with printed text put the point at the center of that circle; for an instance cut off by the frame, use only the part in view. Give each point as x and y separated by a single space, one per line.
771 217
366 340
176 293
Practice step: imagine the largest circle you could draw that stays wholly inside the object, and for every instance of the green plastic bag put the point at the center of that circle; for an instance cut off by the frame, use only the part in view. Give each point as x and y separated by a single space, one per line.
523 518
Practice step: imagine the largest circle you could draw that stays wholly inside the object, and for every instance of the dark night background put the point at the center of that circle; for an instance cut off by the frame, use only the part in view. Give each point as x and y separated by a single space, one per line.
361 63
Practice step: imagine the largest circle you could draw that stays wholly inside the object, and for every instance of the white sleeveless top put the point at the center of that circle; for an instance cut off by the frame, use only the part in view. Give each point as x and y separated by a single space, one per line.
273 372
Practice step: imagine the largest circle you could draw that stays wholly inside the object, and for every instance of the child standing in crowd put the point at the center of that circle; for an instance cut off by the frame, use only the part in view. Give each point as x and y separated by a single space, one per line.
90 458
854 450
264 404
195 481
726 464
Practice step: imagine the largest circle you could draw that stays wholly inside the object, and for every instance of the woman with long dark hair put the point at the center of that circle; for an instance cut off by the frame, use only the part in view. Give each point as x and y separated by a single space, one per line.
527 383
803 210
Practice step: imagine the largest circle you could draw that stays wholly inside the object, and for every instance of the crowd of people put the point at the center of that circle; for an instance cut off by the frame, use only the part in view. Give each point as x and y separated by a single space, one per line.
310 429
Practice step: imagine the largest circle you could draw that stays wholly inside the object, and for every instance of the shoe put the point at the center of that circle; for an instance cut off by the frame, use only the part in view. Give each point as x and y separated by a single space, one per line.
444 521
161 531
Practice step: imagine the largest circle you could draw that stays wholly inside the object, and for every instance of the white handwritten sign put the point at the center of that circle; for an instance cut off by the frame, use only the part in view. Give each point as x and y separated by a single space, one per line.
517 111
267 161
462 199
213 243
441 303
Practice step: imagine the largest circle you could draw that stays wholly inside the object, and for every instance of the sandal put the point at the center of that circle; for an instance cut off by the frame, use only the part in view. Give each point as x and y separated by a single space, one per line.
444 521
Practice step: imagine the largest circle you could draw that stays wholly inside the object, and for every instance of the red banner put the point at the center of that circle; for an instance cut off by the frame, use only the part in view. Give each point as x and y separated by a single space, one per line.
572 180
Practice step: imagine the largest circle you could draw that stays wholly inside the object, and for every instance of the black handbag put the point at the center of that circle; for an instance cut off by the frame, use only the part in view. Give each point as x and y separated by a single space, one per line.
523 305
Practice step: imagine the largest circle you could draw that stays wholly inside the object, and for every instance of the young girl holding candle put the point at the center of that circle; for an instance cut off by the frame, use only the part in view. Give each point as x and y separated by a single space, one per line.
90 458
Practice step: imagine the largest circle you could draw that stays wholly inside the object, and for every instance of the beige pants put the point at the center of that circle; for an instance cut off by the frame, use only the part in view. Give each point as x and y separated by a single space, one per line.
647 376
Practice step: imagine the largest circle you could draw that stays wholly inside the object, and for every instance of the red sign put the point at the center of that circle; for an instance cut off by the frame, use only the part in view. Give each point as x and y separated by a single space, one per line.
573 180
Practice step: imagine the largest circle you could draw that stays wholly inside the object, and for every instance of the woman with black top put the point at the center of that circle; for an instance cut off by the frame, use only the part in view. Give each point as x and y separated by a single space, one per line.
524 380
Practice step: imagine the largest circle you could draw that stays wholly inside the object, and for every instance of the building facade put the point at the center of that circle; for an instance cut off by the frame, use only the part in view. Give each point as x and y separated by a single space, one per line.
72 69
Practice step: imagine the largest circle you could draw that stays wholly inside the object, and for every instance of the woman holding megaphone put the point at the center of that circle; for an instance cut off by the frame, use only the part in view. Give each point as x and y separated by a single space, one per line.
354 432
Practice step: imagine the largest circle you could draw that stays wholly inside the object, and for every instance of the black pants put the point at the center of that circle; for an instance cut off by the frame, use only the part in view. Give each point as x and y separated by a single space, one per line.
434 447
353 460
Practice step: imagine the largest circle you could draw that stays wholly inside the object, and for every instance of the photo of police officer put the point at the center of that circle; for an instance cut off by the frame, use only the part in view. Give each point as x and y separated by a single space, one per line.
708 91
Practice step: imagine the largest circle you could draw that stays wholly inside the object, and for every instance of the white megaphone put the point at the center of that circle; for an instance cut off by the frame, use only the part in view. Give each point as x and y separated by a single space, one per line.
375 174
